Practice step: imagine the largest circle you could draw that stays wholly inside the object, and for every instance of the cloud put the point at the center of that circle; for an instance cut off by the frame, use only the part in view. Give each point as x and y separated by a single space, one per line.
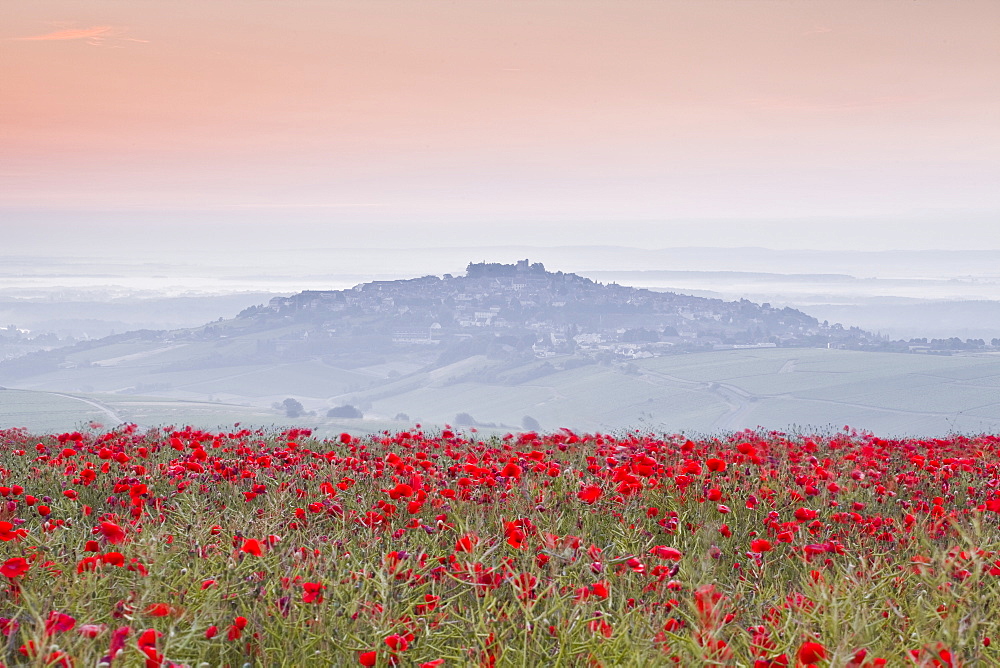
70 33
95 35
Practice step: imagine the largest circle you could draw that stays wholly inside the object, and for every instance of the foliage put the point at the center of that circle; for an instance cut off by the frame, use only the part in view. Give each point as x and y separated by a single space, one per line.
465 420
293 407
186 547
529 423
346 411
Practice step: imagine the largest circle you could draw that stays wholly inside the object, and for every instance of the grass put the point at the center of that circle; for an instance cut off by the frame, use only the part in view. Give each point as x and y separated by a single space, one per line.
885 392
43 411
257 548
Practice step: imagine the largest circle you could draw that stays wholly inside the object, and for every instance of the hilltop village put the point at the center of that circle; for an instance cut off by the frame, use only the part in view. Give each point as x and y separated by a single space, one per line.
511 313
524 307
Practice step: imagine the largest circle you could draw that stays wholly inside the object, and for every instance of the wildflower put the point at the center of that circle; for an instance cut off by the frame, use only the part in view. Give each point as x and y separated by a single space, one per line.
8 532
92 630
252 546
313 592
236 629
58 622
665 552
158 610
589 494
14 567
466 543
811 652
113 533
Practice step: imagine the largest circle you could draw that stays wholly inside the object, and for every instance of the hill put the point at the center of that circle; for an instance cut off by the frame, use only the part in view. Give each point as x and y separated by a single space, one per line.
506 346
522 305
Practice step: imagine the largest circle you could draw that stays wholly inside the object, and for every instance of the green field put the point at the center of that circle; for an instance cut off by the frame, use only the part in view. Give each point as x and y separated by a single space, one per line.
47 411
703 393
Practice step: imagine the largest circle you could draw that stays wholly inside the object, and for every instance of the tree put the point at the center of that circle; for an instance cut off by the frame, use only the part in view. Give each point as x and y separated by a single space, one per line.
640 335
347 411
465 420
293 408
529 423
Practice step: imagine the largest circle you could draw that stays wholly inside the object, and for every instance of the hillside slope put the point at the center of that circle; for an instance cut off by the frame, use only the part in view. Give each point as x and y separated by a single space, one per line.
512 345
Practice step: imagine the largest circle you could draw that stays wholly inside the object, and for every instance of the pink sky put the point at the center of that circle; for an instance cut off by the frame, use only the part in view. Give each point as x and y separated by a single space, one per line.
481 111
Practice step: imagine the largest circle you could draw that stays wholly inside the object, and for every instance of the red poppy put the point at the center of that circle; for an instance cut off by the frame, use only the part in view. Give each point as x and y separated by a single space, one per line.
8 532
58 622
252 546
14 567
589 494
113 533
313 592
665 552
811 652
158 610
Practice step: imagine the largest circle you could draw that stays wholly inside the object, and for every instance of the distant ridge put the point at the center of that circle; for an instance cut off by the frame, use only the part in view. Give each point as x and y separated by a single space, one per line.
554 311
505 345
514 313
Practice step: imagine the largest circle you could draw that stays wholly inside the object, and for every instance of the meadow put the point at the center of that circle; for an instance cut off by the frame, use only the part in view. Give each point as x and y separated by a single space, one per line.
184 547
701 393
42 411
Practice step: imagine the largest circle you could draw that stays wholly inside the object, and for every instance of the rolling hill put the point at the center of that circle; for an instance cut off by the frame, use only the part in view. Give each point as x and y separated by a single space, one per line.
503 347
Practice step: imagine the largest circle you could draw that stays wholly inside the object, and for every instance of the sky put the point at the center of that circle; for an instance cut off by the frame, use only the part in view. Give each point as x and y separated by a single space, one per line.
842 125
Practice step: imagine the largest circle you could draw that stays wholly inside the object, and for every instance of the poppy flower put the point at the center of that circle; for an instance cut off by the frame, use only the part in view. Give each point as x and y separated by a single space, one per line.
8 532
811 652
665 552
58 622
14 567
113 533
313 592
158 610
252 546
715 464
589 494
92 630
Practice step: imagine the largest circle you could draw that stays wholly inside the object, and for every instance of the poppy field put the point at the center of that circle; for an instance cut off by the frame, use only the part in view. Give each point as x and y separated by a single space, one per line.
181 547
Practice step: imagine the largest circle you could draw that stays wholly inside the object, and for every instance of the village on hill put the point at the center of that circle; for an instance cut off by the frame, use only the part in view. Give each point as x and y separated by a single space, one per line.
523 307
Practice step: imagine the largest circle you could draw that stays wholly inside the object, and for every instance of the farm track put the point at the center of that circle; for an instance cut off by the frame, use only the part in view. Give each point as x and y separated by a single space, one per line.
740 401
788 367
556 394
903 411
117 361
107 410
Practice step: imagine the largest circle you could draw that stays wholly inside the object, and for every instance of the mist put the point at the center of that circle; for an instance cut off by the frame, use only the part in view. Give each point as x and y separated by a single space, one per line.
764 188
